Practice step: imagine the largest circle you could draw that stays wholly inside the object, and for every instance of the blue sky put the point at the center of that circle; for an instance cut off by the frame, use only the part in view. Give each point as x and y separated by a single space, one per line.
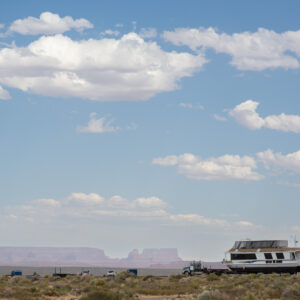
149 124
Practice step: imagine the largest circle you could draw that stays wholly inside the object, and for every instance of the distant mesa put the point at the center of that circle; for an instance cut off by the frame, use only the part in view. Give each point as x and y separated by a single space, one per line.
151 257
73 256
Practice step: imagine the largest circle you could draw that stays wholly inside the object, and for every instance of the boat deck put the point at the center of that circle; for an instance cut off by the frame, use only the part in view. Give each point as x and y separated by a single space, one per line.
265 250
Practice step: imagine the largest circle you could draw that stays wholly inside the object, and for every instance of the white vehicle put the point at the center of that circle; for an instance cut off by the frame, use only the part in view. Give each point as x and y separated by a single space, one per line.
265 256
111 273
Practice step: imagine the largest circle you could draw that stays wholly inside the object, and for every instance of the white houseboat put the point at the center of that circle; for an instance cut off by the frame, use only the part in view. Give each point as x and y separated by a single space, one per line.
265 256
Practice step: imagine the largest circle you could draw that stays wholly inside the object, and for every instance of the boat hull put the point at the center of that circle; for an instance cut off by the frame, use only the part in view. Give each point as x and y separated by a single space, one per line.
264 268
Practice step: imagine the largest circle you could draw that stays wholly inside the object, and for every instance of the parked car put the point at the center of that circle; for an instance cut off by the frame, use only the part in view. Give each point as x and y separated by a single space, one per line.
111 273
132 271
16 273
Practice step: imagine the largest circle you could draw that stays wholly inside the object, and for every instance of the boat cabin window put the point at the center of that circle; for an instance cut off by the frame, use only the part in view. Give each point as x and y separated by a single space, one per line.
242 256
280 255
292 256
268 256
260 244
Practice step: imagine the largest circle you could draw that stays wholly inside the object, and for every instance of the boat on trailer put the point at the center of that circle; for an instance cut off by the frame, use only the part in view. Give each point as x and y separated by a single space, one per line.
263 256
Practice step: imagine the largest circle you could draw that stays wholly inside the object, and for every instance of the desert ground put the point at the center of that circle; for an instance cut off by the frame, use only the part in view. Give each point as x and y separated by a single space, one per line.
128 286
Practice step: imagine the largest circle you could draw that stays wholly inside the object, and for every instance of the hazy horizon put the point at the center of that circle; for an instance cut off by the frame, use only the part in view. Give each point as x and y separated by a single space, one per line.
149 124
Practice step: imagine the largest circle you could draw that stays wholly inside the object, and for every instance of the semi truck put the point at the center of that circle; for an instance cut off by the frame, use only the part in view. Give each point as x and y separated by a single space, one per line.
199 267
195 268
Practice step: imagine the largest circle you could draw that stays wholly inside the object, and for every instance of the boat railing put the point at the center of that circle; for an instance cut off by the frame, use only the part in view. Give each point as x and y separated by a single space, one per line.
264 260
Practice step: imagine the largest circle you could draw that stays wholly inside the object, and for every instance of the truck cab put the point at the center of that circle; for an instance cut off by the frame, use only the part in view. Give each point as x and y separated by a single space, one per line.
194 268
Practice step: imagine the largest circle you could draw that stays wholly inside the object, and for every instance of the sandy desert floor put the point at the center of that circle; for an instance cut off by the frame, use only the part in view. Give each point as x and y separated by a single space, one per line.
126 286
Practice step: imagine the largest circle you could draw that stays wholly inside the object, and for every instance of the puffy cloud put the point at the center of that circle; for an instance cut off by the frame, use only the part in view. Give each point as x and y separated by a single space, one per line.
141 207
150 202
171 160
246 115
98 125
86 199
48 23
148 33
226 167
110 32
92 206
125 69
119 202
255 51
4 94
283 122
289 161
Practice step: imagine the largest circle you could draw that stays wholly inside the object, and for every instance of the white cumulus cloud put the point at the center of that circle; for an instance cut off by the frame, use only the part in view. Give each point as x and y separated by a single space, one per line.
110 32
86 199
116 209
117 201
255 51
107 69
100 125
48 23
290 161
4 94
246 115
150 202
148 33
226 167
